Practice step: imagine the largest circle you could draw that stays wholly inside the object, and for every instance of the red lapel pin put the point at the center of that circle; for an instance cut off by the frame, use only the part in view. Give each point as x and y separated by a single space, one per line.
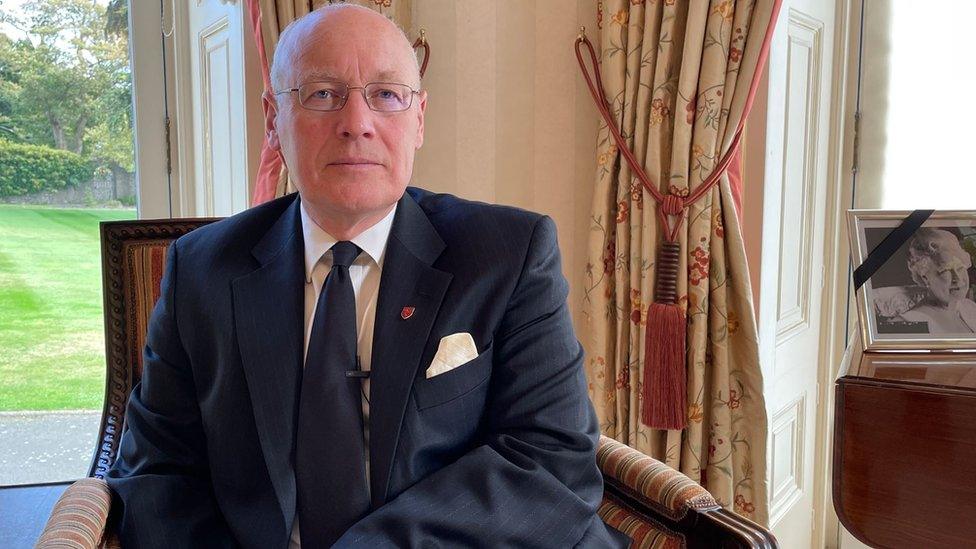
406 313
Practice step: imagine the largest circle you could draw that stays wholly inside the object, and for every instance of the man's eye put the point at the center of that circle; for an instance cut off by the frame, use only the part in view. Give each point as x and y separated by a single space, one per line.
322 93
386 95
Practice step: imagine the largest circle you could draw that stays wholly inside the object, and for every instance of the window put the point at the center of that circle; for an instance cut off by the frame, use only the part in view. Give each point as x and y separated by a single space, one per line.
66 163
917 129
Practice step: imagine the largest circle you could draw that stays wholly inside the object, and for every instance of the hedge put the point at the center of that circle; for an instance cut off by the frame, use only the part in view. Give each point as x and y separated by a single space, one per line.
27 169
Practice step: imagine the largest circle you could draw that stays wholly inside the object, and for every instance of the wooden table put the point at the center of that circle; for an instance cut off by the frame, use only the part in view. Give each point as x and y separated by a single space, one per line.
904 468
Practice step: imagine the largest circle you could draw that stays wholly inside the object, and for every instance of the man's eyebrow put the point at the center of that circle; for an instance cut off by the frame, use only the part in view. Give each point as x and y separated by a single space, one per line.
387 76
313 76
318 75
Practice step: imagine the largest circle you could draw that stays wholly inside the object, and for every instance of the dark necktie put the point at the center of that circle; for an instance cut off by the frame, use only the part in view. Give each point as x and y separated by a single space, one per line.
330 457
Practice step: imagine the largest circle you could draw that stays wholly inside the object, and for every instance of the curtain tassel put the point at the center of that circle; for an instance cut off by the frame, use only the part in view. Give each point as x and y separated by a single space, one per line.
665 387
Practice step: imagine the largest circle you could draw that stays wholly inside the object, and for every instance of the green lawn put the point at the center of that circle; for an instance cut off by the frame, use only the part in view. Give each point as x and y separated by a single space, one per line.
52 350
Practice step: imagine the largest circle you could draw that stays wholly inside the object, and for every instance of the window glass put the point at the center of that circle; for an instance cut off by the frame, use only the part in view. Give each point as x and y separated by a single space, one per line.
918 125
66 164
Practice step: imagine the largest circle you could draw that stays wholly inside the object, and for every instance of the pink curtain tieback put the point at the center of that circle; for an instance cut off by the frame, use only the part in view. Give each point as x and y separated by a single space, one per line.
664 390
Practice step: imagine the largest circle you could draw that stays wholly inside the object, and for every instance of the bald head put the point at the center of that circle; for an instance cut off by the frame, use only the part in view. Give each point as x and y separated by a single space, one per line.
333 26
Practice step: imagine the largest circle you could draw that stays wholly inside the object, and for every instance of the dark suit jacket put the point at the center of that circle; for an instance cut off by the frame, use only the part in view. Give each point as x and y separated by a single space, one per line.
497 452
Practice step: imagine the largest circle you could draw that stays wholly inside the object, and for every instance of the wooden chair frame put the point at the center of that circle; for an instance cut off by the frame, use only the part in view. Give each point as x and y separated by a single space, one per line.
120 323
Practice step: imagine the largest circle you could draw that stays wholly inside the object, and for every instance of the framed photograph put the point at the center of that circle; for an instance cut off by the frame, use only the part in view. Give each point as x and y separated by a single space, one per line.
923 298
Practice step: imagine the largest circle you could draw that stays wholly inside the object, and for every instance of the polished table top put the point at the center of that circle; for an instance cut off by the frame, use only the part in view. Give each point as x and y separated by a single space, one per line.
942 369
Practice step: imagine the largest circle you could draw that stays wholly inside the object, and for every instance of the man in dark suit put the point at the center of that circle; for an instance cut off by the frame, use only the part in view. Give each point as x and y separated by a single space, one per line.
360 364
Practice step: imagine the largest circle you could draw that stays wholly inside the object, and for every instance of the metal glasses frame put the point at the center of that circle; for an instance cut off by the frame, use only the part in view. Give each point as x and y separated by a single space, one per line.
345 98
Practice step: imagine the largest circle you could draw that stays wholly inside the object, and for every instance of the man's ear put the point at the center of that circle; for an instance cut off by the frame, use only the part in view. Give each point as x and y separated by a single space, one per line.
422 96
270 116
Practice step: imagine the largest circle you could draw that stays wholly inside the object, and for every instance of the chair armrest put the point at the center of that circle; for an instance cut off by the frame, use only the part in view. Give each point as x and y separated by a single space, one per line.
650 481
79 517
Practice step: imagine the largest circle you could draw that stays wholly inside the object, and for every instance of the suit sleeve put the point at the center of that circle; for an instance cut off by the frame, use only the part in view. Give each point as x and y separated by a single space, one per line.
160 481
533 482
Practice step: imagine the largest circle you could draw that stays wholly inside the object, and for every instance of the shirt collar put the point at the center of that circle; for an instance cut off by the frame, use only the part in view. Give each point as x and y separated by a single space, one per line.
372 241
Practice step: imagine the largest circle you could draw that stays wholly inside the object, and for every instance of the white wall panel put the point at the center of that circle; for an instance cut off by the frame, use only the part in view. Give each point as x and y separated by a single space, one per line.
796 270
786 457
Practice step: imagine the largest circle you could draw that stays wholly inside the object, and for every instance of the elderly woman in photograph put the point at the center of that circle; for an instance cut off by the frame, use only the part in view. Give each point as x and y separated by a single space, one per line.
938 264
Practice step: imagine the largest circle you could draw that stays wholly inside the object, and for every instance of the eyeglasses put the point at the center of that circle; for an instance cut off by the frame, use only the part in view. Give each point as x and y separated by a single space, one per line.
332 96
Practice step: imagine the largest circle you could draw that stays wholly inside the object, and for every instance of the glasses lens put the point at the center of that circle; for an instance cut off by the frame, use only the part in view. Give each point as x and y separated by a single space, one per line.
385 97
323 96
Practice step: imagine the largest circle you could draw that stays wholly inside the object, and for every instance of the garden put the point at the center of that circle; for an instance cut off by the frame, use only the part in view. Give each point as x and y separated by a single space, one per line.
52 350
66 164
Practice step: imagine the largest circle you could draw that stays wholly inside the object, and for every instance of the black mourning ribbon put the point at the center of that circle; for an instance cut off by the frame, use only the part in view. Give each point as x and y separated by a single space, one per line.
883 251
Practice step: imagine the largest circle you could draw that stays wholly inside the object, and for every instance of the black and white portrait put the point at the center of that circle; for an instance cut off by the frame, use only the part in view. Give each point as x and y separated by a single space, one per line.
926 289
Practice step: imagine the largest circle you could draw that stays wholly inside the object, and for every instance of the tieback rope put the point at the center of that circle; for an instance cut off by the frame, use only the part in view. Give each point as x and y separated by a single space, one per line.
664 390
421 42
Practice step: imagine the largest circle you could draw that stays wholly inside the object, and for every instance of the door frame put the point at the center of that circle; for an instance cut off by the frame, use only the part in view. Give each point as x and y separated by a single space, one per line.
148 110
837 300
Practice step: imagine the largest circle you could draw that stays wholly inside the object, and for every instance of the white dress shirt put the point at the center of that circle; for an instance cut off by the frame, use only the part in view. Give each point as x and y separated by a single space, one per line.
365 274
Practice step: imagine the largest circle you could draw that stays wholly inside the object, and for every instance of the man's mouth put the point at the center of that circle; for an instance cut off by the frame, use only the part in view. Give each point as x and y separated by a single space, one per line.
354 163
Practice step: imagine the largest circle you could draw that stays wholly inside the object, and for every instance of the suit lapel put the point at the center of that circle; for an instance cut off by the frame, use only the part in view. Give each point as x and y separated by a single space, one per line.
408 280
268 313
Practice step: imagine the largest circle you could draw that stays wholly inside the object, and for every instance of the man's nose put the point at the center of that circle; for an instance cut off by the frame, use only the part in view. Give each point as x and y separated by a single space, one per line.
355 117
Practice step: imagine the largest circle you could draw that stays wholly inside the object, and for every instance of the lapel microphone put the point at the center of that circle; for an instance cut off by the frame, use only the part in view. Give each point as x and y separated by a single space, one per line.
358 372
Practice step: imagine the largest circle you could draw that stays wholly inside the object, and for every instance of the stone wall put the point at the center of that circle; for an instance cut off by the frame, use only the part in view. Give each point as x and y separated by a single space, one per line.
99 190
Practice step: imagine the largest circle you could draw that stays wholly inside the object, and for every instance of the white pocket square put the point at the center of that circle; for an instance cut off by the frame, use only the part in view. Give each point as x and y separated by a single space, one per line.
453 351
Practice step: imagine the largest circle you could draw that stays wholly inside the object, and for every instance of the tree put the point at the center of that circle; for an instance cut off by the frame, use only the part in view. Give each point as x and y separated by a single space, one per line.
117 18
9 91
69 79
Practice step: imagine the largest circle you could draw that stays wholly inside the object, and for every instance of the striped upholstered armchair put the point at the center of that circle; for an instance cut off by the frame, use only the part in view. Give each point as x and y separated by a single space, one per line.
658 507
655 505
652 503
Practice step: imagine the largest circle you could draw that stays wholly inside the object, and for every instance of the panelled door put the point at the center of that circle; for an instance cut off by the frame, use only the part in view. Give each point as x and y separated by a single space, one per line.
792 272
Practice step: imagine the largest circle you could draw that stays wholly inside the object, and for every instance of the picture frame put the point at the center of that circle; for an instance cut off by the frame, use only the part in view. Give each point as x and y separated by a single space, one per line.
923 298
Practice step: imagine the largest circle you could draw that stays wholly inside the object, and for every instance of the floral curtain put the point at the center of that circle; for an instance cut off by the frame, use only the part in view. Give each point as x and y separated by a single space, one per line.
680 77
268 19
